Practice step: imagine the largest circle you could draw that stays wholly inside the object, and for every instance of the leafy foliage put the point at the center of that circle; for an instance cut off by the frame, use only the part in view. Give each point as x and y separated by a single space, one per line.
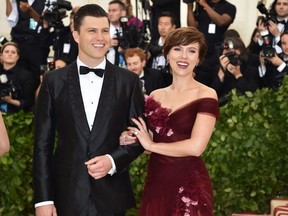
247 157
15 167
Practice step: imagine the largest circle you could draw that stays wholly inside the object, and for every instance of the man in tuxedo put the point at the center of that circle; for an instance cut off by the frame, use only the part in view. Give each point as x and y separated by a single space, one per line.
273 69
86 172
151 79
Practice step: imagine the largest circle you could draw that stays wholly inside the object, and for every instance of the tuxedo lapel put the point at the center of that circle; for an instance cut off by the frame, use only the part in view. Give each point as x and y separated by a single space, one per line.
105 101
77 103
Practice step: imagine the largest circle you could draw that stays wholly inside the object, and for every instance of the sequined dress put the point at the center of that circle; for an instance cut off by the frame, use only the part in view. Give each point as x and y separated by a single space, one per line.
176 185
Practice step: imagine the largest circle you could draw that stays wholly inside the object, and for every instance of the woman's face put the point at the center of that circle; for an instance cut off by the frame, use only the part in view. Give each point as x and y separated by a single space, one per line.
183 59
10 55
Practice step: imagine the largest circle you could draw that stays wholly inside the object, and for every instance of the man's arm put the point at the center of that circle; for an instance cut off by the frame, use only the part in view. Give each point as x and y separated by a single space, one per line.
12 15
44 137
219 19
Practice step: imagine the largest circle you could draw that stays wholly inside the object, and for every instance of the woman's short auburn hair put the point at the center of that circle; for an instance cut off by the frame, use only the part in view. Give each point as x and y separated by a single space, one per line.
185 36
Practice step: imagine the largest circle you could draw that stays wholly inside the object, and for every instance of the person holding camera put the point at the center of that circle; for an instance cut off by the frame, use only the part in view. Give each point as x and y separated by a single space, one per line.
212 18
17 85
23 18
116 10
273 68
4 139
273 23
233 71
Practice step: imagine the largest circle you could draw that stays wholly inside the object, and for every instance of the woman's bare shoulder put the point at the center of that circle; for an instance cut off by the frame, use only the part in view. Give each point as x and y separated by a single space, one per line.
207 92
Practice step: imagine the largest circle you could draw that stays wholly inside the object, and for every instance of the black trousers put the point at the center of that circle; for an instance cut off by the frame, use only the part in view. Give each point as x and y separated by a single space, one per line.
93 212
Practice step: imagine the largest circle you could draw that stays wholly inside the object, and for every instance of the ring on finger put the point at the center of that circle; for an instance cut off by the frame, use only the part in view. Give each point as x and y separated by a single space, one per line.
136 133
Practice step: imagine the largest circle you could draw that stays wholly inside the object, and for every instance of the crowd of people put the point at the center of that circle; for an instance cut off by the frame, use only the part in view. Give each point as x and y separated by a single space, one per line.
155 86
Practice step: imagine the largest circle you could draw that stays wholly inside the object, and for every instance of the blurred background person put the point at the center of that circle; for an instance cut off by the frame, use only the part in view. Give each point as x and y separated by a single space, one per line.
273 68
273 23
159 6
17 85
23 18
253 46
4 140
151 79
116 10
166 23
233 71
212 18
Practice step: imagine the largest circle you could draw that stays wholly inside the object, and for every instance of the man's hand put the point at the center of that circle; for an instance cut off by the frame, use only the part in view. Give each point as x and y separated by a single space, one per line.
46 210
98 167
24 6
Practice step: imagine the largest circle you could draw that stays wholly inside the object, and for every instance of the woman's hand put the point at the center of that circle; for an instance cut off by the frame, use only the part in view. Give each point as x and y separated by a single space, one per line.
141 133
127 138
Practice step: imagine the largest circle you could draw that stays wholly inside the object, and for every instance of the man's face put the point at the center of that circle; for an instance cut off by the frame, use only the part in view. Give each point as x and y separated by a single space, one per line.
93 40
114 13
135 65
284 44
165 26
281 8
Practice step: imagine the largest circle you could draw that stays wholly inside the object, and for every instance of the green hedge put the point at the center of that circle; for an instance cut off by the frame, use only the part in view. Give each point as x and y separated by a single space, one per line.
247 157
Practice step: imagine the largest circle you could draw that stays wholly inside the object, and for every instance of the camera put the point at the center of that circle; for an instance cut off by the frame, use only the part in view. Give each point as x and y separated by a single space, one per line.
268 50
131 36
263 10
233 57
3 40
7 87
56 11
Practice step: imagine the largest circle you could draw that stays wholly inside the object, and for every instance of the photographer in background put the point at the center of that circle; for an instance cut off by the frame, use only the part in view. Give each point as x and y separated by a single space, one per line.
17 85
55 34
273 68
116 10
212 18
275 21
233 71
23 18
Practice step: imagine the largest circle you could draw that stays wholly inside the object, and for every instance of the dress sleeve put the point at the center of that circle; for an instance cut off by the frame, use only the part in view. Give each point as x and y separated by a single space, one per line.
209 106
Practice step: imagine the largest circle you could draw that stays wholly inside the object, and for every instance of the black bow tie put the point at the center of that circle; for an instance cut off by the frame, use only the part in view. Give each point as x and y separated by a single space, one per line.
282 22
86 70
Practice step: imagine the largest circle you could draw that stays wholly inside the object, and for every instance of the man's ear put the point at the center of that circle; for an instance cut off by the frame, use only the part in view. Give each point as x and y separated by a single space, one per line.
76 36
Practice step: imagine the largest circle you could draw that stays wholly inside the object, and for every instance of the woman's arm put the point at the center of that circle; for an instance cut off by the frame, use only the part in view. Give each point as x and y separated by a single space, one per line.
194 146
4 140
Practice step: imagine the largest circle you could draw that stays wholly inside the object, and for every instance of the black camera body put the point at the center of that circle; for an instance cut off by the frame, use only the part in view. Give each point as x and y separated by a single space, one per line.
234 58
3 40
263 10
56 11
9 87
267 48
131 36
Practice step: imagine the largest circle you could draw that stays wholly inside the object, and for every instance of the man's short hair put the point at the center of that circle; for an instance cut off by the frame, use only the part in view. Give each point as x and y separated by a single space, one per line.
167 14
120 3
93 10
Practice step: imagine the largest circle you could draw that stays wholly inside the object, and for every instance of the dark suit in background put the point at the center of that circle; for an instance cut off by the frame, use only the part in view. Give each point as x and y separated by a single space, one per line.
155 79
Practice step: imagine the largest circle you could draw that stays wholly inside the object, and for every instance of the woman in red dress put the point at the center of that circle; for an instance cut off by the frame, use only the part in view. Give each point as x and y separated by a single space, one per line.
181 118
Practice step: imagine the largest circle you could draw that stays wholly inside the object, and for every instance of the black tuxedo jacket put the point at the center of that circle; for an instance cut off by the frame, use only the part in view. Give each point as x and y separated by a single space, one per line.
60 175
